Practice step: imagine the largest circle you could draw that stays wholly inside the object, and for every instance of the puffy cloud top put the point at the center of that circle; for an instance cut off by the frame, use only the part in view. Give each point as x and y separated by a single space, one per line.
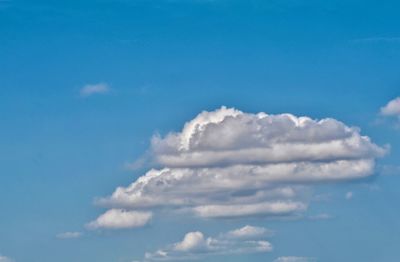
231 137
191 241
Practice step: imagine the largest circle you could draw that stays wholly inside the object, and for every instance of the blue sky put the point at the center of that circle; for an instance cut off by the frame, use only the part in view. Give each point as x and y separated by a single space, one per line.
149 67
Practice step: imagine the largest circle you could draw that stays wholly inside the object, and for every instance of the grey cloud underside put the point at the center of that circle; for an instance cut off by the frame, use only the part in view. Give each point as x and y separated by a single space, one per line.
227 163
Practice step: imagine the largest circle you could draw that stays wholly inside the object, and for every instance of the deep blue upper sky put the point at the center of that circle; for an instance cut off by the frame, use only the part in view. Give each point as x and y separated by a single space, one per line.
165 61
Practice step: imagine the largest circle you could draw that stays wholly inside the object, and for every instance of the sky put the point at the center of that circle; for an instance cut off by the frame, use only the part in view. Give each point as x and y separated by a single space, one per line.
205 130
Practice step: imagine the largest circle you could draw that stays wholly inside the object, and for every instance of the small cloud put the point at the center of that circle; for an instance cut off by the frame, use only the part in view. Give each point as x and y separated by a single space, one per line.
92 89
295 259
195 245
119 218
322 216
249 232
392 108
69 235
192 241
349 195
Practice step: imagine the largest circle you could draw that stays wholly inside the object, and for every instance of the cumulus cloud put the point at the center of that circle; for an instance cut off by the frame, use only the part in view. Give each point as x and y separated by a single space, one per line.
227 163
119 218
69 235
228 137
92 89
295 259
195 245
392 108
247 232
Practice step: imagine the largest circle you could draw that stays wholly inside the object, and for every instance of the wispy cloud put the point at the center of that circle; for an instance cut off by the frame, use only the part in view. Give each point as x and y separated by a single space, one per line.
69 235
349 195
322 216
389 169
295 259
380 39
92 89
195 245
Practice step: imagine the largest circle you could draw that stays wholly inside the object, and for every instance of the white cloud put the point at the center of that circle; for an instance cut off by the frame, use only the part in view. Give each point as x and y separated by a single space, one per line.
392 108
227 163
247 232
5 259
191 241
321 216
92 89
265 208
349 195
195 245
119 218
69 235
295 259
230 137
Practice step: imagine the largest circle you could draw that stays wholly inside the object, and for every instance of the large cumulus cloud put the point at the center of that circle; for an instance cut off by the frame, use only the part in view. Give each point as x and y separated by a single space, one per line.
227 163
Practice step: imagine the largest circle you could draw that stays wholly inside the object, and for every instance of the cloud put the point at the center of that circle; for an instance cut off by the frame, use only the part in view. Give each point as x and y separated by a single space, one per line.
389 170
192 241
227 163
265 208
118 219
92 89
228 137
349 195
5 259
247 232
295 259
322 216
392 108
195 245
378 39
69 235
